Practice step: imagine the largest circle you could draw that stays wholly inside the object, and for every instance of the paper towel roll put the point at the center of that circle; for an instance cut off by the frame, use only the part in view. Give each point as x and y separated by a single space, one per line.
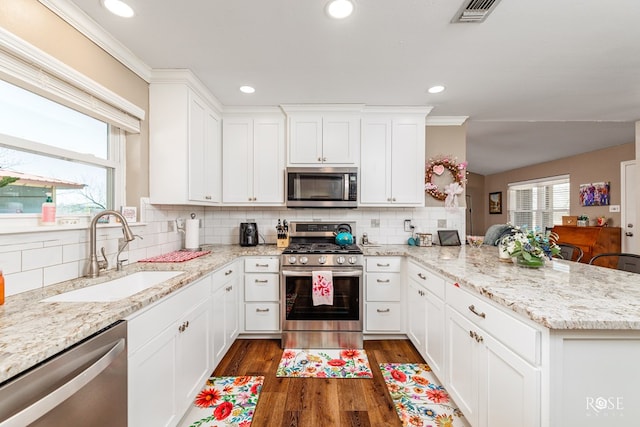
192 234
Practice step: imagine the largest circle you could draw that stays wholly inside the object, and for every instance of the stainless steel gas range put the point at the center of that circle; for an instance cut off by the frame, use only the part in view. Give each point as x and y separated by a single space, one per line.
313 252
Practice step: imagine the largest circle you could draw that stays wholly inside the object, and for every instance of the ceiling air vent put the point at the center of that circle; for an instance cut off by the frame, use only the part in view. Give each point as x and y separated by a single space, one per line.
474 11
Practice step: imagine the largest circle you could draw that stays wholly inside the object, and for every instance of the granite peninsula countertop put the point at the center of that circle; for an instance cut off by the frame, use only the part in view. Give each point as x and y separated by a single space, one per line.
562 295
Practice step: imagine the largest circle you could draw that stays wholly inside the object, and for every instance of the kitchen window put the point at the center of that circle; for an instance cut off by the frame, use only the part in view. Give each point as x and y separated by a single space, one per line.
51 148
538 204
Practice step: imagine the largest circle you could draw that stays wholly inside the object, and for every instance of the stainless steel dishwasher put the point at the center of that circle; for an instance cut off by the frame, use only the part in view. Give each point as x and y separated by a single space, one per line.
85 385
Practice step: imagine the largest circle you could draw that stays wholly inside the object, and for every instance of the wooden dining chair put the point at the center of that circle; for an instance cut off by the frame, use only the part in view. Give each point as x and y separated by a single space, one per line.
570 252
626 261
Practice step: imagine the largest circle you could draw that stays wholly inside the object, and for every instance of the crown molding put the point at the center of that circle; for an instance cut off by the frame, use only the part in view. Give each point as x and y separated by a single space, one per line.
186 77
79 20
446 120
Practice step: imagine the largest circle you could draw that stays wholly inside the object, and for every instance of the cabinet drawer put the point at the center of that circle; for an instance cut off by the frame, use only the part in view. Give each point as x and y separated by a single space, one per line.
262 316
514 334
383 317
149 323
383 286
427 279
261 265
224 274
261 287
384 264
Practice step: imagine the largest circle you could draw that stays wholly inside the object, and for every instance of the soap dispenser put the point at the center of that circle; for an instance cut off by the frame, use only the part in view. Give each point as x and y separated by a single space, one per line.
48 211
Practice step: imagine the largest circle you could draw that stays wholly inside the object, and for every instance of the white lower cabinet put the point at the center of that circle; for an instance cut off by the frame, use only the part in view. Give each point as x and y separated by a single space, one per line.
224 304
262 294
426 316
490 383
383 295
168 355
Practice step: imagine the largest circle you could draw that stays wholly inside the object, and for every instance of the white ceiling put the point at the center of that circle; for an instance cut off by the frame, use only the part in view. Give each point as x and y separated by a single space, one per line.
539 79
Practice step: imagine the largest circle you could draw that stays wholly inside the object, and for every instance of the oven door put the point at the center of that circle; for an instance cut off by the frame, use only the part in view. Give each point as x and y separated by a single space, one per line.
299 313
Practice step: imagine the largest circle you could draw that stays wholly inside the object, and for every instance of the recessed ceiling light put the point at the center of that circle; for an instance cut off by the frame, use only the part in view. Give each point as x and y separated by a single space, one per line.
118 7
247 89
436 89
339 9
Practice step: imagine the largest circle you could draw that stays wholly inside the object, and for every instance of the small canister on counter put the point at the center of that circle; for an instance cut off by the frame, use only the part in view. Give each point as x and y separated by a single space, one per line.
425 239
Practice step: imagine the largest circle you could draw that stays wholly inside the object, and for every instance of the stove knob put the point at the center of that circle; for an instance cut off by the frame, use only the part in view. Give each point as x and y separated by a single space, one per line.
352 260
304 260
322 260
292 260
340 260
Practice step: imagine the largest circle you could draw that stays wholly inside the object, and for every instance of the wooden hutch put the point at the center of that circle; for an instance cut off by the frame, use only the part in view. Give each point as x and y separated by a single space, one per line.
592 240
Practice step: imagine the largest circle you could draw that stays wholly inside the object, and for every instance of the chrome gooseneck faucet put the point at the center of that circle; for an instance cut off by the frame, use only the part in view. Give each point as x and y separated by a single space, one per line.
96 266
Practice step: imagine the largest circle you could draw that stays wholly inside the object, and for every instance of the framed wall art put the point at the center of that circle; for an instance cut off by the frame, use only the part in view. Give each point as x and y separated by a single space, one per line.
594 194
495 202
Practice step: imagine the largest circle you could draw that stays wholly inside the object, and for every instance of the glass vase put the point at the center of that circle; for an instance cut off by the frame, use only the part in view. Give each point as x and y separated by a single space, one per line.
534 262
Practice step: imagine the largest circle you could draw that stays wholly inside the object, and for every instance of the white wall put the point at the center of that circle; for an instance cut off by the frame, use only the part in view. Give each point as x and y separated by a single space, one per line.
34 259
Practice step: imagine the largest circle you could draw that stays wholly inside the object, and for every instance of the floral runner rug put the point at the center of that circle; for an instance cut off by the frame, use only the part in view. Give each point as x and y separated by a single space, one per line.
418 397
325 363
224 402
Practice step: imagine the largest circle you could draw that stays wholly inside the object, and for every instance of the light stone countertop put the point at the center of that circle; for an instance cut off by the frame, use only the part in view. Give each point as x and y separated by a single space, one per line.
562 295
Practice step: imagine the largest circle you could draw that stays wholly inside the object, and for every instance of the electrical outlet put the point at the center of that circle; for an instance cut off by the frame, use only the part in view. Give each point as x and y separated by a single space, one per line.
171 226
375 223
442 223
614 208
407 225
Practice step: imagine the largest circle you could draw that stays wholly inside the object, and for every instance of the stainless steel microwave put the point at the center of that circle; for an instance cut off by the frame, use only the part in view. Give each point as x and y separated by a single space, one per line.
322 187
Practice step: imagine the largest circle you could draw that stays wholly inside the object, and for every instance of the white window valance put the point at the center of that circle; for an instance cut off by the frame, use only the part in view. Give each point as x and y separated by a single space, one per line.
25 65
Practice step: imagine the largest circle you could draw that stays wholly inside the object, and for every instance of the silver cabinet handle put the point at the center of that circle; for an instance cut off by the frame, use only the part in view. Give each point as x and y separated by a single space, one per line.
383 281
207 197
262 265
383 265
422 276
228 289
472 308
226 273
47 403
262 281
262 310
386 310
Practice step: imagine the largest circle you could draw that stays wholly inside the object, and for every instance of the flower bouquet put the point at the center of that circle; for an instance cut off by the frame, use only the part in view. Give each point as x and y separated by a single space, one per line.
529 248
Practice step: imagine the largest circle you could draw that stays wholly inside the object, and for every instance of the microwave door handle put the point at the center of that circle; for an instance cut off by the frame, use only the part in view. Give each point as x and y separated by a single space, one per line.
345 193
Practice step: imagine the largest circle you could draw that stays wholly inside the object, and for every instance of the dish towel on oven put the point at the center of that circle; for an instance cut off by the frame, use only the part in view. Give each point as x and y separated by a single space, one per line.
322 288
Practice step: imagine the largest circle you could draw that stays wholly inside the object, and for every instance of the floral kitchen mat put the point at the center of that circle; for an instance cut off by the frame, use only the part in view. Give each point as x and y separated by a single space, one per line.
225 402
325 363
418 397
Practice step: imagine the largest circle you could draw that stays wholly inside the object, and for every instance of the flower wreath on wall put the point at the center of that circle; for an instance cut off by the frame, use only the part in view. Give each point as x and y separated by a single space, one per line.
438 166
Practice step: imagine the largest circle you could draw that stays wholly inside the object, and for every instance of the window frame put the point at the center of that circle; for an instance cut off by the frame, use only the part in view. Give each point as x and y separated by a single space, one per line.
514 187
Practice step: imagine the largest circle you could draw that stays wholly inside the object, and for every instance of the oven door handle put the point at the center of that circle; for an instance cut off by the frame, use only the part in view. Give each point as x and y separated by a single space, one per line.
334 273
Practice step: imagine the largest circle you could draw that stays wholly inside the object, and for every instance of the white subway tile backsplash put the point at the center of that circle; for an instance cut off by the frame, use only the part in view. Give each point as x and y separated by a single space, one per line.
44 257
60 272
11 262
23 281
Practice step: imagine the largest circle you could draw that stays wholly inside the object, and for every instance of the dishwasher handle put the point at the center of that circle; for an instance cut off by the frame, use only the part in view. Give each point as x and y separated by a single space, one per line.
47 403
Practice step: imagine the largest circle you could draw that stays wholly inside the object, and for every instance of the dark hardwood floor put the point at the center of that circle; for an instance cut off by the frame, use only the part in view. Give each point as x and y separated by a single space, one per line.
316 402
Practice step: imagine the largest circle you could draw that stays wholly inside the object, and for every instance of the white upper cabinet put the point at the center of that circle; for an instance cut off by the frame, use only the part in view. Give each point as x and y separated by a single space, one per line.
253 158
392 160
323 135
184 141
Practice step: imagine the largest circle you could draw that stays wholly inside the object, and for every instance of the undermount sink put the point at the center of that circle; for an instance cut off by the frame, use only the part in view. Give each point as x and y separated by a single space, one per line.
115 289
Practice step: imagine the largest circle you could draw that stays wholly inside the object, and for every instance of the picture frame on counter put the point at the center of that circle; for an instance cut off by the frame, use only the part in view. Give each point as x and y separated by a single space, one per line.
130 213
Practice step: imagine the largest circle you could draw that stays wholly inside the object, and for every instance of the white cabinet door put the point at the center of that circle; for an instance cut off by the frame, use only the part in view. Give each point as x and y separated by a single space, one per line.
407 161
392 161
305 144
269 159
231 318
510 388
225 316
434 333
340 139
218 334
253 160
237 160
416 321
375 161
193 358
197 143
152 382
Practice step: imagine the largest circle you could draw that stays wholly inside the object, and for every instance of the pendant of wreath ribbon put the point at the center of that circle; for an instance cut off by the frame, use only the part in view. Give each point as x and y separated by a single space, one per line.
452 191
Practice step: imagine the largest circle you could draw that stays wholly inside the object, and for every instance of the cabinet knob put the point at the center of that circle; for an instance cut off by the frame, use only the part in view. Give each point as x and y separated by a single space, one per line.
324 159
228 289
207 197
319 159
393 199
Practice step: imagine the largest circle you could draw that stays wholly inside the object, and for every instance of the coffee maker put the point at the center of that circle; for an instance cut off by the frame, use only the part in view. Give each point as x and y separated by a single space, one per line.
248 234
